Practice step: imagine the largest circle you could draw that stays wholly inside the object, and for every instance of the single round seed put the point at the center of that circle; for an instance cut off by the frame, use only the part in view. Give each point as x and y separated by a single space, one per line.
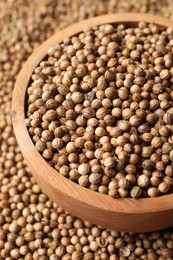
109 162
88 112
84 168
143 181
136 192
153 192
163 187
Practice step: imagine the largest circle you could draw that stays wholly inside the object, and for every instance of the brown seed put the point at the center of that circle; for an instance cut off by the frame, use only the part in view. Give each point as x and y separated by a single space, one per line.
143 181
134 139
110 92
115 132
63 89
81 71
140 81
123 193
109 120
77 97
95 178
122 140
57 143
146 152
109 75
134 159
40 145
164 131
106 102
128 148
124 183
127 113
131 178
135 120
73 158
84 168
100 131
169 170
117 112
153 192
147 137
83 180
155 157
62 160
151 118
124 125
109 162
46 135
70 124
164 74
130 169
101 113
47 154
154 104
77 255
148 164
163 187
58 132
168 118
88 112
160 165
171 155
71 114
136 192
122 93
156 142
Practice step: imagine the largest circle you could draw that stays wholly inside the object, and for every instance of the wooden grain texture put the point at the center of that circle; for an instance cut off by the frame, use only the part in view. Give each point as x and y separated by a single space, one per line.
128 214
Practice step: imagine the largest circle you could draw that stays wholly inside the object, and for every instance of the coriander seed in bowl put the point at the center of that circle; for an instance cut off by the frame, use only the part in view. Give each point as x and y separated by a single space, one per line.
96 113
94 98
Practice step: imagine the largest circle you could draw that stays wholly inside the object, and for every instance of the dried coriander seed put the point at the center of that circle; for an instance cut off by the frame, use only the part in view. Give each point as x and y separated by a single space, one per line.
111 109
18 48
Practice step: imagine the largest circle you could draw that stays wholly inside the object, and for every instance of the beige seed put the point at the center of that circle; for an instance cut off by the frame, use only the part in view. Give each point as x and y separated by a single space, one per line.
57 143
84 168
163 187
109 162
153 192
122 140
40 145
124 251
95 178
146 152
135 120
164 74
88 112
143 181
77 97
156 142
83 180
136 192
168 118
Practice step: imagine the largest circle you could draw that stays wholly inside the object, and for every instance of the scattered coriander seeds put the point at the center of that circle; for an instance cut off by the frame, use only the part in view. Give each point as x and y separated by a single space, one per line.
19 38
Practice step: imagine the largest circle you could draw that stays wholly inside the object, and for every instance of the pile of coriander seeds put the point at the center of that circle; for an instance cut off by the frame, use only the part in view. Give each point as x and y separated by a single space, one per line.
100 109
31 226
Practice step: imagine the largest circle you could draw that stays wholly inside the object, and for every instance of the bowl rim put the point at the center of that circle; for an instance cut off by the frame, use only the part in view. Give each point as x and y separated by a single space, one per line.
74 198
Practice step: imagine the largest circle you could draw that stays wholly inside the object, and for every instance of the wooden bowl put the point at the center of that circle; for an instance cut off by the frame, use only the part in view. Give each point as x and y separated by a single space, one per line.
123 214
